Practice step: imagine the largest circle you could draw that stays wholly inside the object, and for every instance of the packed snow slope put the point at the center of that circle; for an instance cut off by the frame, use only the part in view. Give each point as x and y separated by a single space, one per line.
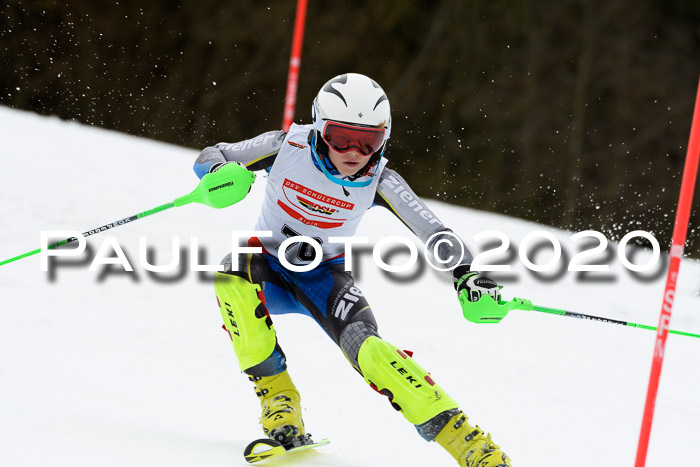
131 369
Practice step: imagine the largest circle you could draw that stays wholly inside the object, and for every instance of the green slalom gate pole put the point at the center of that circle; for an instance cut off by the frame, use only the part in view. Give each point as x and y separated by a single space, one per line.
227 186
486 310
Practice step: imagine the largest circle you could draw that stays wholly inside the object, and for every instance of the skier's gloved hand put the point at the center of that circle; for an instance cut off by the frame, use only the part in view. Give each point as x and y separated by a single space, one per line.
216 166
473 285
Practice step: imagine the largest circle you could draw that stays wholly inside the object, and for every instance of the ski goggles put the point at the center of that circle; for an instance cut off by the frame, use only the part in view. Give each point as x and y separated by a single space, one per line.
344 138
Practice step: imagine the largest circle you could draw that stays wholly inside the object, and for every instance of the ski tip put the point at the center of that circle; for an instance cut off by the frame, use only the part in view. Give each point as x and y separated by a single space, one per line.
262 449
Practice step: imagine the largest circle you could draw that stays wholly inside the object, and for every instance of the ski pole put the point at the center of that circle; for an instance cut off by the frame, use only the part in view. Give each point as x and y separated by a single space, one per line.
227 186
486 310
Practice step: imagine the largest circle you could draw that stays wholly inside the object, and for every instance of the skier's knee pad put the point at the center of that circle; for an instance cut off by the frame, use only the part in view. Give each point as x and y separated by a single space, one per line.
246 319
240 267
409 387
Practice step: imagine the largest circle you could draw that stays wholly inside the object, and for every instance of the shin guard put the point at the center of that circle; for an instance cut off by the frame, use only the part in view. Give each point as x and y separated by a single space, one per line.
409 387
246 319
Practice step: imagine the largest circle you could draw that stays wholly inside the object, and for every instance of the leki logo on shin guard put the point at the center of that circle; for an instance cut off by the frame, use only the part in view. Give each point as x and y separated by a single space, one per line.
231 319
403 372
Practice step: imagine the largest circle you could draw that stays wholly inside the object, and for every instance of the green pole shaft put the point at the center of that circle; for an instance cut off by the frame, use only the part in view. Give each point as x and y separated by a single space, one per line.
571 314
102 228
220 189
155 210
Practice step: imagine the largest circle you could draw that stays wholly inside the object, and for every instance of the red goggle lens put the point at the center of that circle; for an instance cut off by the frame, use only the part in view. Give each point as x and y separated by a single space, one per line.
344 138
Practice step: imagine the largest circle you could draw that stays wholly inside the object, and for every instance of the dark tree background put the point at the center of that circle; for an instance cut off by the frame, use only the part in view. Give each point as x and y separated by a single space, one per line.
573 113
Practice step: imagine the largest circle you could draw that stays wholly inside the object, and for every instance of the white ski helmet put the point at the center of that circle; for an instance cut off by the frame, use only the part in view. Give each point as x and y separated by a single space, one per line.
356 107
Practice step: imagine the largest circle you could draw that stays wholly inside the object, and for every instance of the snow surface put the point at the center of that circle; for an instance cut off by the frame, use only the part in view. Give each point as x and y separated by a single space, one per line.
127 370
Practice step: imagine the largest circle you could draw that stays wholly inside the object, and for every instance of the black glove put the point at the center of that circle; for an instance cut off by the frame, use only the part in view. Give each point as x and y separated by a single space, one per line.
473 285
217 165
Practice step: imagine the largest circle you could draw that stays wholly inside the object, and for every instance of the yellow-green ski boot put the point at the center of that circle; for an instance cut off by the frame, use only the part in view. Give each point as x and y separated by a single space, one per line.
281 409
469 446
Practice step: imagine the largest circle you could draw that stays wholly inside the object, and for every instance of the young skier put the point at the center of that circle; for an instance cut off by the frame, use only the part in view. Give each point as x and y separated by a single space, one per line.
322 178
